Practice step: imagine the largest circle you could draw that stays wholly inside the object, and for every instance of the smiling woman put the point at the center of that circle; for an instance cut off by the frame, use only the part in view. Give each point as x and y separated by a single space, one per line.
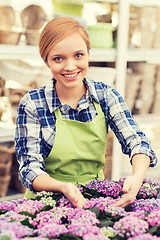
61 129
69 68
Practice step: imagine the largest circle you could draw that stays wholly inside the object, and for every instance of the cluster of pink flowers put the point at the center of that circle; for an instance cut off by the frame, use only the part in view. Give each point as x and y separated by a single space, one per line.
30 206
154 218
130 226
52 216
147 205
108 188
15 229
146 236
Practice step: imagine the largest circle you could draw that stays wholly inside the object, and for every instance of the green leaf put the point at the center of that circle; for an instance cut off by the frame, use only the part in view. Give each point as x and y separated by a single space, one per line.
155 230
91 193
27 214
105 223
96 211
5 238
2 212
45 208
27 223
117 237
69 237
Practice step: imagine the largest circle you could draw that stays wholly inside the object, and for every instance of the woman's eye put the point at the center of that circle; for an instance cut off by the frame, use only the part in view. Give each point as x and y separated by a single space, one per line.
78 55
57 59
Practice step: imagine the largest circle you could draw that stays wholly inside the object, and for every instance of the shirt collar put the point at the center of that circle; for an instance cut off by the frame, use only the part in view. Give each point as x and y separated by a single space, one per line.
51 96
53 100
91 89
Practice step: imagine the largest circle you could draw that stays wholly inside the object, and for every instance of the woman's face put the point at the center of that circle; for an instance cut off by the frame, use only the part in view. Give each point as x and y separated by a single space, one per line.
68 61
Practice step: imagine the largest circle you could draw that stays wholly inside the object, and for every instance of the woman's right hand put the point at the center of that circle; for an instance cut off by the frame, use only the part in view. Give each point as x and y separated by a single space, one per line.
74 195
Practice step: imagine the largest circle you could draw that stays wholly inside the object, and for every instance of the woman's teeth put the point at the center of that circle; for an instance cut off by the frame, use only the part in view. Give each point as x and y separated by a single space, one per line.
70 75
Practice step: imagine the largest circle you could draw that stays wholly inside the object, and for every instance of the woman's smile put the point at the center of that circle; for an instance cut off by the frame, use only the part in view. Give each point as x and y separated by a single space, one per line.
72 76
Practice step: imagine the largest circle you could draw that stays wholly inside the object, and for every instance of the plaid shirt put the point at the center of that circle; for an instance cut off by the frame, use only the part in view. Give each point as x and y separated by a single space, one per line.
35 126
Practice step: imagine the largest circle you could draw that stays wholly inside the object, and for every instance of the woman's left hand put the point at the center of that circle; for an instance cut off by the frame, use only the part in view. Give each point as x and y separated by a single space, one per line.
132 184
130 188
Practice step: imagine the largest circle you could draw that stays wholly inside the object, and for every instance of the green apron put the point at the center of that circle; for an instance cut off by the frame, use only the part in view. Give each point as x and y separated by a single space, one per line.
78 153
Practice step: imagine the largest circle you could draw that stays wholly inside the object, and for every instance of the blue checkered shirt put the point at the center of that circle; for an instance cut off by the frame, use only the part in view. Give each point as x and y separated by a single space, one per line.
35 126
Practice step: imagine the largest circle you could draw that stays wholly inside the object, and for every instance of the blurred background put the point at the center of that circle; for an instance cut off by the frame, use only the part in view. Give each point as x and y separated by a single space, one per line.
125 54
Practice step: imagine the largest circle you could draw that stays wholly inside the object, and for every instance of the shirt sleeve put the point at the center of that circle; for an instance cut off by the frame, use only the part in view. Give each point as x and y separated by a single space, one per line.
28 142
127 131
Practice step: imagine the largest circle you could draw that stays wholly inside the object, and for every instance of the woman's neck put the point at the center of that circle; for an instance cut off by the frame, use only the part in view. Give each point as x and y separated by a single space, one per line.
71 96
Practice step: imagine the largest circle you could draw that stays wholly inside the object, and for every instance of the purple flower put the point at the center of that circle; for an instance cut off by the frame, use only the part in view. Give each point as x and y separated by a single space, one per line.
108 188
6 205
43 218
100 202
130 226
55 215
154 218
17 228
148 191
82 216
30 206
50 230
80 229
121 181
64 202
139 213
115 211
146 236
16 216
152 181
147 205
91 236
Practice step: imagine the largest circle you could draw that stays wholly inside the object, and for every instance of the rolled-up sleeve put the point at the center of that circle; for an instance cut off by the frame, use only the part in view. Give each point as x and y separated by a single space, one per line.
127 131
28 142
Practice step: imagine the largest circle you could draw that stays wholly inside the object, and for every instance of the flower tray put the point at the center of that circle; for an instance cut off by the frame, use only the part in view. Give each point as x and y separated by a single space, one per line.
51 215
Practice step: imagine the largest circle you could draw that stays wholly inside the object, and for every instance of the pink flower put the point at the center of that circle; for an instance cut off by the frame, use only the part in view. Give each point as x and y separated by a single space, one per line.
30 206
91 236
80 229
154 218
130 226
146 236
52 230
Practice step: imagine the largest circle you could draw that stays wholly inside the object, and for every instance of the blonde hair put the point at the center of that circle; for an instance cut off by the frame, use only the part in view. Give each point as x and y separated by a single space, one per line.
56 30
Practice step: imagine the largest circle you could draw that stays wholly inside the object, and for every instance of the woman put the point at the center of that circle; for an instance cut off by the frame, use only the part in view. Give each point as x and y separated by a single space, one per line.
61 129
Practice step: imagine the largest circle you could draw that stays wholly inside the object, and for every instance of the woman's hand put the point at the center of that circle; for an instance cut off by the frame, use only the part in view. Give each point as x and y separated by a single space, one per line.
132 184
74 195
130 188
45 182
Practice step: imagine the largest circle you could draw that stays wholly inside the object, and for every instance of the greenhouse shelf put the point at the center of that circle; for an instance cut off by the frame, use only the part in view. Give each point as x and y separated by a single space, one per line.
18 52
145 2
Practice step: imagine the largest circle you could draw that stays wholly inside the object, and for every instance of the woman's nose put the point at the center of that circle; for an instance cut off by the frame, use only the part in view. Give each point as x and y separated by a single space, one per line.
69 65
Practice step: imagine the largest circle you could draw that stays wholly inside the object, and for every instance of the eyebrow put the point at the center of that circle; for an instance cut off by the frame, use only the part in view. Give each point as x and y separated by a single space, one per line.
61 54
